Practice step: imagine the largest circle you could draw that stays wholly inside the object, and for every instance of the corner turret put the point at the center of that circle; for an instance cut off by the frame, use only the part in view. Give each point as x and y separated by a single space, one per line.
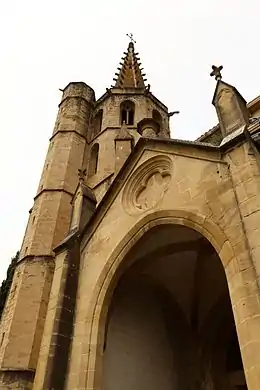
47 226
75 109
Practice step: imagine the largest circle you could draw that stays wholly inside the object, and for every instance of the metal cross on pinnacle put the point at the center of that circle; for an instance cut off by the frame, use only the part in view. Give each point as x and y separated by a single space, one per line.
131 37
216 71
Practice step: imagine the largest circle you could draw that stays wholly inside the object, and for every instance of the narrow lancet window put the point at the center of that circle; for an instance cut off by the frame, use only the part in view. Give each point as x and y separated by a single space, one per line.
93 163
97 122
157 117
127 113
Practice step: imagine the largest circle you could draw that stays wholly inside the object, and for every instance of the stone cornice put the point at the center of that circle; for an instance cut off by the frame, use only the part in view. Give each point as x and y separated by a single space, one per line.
36 258
68 131
53 190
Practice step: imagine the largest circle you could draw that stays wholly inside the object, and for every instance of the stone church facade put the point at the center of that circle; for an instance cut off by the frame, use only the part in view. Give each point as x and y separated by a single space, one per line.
139 267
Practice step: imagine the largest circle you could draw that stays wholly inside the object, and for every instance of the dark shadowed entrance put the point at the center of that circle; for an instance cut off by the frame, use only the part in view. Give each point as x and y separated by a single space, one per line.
170 324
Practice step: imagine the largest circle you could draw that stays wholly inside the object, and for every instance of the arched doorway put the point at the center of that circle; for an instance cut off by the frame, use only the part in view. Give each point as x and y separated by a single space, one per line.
170 324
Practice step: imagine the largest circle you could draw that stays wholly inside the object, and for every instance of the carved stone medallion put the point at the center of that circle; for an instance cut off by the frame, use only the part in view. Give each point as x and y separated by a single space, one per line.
147 185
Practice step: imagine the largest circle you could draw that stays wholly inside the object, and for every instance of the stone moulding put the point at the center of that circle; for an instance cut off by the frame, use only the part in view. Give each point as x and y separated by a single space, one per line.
147 185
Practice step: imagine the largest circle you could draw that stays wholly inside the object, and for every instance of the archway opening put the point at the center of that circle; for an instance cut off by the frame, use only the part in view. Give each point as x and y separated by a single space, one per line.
127 112
170 323
157 117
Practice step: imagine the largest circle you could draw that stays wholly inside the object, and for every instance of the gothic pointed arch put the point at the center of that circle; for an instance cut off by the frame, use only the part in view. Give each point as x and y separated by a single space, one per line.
115 265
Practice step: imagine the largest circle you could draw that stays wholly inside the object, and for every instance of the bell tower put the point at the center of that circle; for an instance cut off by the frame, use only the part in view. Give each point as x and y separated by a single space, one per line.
126 111
24 314
95 137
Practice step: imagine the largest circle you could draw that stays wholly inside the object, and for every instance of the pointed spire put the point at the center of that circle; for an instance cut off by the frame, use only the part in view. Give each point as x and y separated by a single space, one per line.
130 75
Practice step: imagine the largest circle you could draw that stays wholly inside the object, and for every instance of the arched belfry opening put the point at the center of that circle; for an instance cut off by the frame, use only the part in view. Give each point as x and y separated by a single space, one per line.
170 323
127 113
157 117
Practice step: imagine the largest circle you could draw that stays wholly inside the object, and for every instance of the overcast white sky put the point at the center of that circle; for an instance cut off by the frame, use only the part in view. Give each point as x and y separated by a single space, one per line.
47 44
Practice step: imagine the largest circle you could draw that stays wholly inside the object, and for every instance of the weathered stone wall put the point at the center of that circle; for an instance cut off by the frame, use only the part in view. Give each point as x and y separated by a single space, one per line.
144 105
24 314
138 346
15 379
245 271
22 324
200 194
75 109
53 361
50 215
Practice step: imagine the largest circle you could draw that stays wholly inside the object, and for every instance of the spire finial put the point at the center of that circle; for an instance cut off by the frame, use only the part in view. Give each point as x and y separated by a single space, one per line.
216 71
82 174
131 37
130 74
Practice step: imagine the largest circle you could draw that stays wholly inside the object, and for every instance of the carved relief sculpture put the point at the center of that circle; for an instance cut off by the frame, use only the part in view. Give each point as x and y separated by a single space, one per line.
147 185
